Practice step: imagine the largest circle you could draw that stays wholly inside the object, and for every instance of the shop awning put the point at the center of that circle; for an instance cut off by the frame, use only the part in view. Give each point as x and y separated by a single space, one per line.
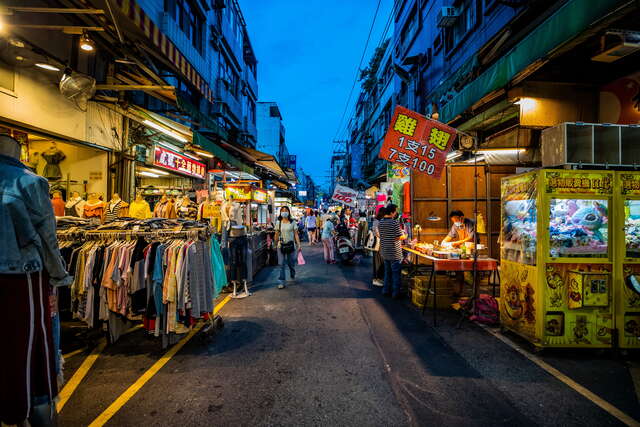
267 161
291 175
570 20
160 44
220 153
182 130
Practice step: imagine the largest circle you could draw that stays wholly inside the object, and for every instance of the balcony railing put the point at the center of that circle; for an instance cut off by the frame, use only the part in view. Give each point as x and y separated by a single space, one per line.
252 83
228 98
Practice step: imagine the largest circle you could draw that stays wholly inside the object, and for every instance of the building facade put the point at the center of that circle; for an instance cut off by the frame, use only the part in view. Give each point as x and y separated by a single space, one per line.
500 71
271 133
114 89
213 38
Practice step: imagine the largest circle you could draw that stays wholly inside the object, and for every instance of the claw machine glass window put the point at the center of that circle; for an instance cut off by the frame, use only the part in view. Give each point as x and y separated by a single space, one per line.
519 230
632 228
578 228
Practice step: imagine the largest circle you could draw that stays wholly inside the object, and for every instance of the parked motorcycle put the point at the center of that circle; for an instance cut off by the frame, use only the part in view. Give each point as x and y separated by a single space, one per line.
345 248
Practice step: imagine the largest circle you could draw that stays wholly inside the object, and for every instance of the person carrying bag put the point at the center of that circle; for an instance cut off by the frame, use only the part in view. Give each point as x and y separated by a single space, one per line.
288 241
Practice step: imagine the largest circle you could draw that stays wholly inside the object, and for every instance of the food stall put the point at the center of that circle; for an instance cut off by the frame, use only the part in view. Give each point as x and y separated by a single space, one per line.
253 205
260 207
557 259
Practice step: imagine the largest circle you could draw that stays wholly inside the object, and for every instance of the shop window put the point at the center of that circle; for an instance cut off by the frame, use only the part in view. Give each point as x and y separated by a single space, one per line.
408 32
229 77
7 77
465 24
519 229
578 228
632 227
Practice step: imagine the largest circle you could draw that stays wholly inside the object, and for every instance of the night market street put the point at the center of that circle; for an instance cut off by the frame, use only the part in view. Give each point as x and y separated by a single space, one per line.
330 350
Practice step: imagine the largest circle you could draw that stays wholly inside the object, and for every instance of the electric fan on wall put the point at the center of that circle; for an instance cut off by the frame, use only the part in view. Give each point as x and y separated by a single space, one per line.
78 88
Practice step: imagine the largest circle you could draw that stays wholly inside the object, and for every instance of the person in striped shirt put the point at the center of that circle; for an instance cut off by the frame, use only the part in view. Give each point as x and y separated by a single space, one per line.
391 235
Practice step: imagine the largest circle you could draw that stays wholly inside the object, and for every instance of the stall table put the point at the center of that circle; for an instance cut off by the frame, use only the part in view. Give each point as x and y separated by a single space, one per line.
440 264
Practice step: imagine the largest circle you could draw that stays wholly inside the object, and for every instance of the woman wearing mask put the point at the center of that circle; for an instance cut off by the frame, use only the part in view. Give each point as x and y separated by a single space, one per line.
288 243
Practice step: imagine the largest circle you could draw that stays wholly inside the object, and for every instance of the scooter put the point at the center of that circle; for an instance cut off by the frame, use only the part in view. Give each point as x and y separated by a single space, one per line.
345 248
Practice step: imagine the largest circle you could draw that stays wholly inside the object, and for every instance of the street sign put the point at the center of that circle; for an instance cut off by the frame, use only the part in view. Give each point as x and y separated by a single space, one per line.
417 142
345 195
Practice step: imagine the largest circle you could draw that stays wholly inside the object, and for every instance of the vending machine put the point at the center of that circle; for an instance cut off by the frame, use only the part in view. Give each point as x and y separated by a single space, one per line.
557 257
627 285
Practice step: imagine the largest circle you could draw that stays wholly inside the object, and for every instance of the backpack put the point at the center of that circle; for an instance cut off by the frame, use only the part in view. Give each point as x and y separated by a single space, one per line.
487 310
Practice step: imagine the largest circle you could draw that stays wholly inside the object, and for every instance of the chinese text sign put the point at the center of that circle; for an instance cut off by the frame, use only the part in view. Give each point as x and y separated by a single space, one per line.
416 142
177 162
345 195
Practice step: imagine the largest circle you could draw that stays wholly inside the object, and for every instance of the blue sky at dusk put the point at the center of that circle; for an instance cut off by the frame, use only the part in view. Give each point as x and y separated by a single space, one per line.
308 52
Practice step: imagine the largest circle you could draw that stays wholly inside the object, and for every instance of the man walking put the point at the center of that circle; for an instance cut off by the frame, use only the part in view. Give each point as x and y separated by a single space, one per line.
390 237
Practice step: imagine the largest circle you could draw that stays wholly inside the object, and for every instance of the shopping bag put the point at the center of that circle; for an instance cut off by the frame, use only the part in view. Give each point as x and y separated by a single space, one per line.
301 260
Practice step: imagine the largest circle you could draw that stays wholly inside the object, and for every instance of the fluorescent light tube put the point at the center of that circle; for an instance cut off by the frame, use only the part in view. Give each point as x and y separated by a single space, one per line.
165 131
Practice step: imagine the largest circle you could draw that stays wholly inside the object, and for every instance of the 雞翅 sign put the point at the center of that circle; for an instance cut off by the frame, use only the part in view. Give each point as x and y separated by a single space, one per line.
345 195
417 142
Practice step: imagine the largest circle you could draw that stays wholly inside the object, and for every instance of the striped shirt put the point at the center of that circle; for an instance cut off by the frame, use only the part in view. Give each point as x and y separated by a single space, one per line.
390 247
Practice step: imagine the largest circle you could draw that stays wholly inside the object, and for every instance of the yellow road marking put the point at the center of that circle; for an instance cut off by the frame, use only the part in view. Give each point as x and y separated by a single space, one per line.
79 375
73 353
594 398
222 304
140 382
83 370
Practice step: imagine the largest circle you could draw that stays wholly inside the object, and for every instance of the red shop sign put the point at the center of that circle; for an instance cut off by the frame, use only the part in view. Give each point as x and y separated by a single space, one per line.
178 163
416 142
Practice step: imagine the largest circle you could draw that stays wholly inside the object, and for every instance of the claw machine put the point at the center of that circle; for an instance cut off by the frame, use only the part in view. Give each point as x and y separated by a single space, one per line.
627 287
557 257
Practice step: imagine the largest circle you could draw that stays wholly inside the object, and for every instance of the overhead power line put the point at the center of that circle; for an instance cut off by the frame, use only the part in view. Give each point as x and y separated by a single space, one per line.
355 80
383 37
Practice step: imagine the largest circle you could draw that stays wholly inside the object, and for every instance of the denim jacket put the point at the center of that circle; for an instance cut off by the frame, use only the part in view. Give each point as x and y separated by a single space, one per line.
28 240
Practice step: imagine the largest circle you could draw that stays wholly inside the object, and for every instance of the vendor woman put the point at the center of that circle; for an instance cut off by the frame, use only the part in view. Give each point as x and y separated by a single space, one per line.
462 230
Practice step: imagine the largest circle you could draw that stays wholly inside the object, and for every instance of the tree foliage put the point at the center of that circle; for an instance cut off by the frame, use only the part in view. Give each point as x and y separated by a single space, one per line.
368 75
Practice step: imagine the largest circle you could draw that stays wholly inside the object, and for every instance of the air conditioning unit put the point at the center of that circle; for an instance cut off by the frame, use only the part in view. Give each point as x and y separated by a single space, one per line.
447 16
617 44
591 144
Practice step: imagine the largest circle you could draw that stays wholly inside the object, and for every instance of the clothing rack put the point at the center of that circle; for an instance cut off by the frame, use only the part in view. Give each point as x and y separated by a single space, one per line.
192 234
164 236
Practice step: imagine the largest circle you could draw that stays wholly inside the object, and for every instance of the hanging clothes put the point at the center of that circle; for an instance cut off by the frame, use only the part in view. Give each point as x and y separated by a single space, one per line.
58 206
170 283
94 211
166 209
213 212
139 209
187 211
74 207
115 210
53 158
27 364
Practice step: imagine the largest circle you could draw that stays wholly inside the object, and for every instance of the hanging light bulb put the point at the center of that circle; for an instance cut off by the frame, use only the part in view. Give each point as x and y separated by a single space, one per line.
86 43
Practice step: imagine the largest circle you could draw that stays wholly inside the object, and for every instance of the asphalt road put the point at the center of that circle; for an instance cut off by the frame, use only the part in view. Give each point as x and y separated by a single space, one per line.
330 350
